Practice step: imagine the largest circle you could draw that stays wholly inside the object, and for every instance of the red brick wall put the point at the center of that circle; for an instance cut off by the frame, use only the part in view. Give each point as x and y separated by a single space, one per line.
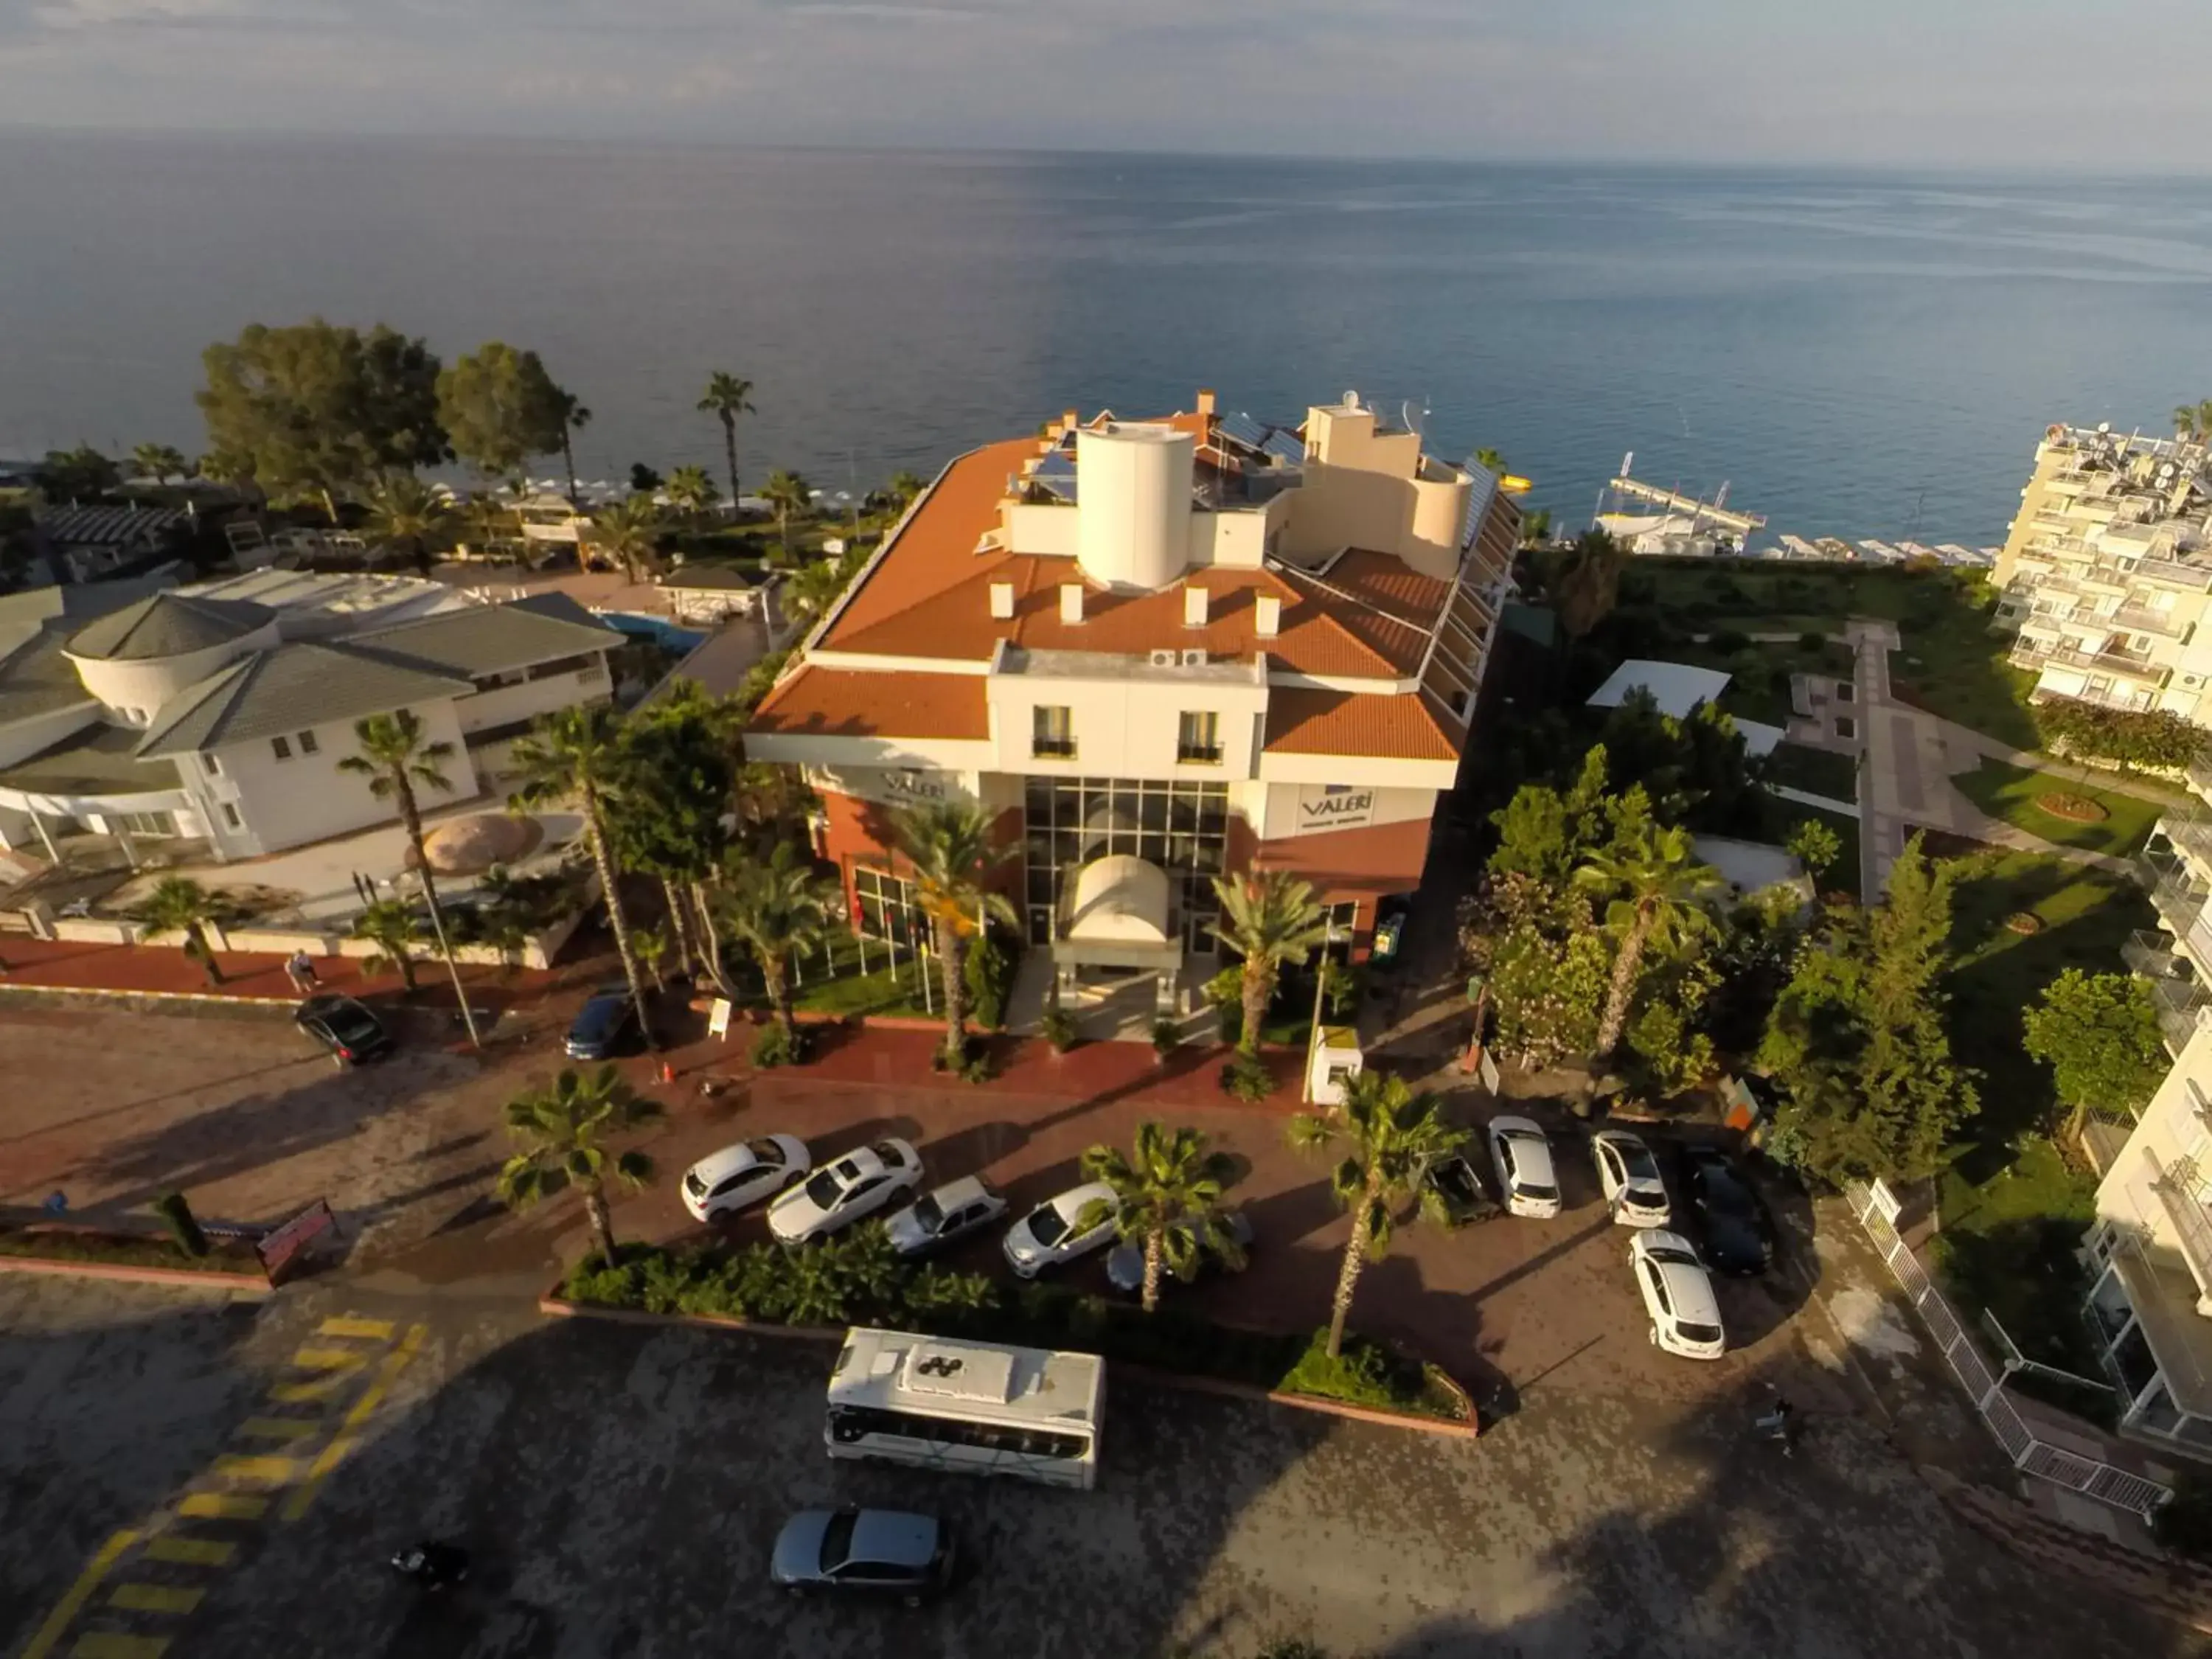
858 832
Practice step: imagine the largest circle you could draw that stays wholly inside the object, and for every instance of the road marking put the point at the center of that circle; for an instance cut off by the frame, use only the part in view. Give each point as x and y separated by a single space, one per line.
193 1552
363 1409
268 1471
223 1506
377 1330
79 1594
109 1644
156 1598
280 1428
300 1394
328 1359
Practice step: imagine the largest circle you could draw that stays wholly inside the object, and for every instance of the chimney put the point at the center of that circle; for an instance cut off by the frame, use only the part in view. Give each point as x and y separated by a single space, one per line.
1267 609
1206 400
1194 607
1069 419
1002 601
1071 602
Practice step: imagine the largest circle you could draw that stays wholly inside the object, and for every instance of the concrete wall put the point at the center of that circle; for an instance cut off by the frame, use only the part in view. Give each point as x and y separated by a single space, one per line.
531 698
2171 1130
1044 529
287 803
140 688
1125 727
1295 809
20 739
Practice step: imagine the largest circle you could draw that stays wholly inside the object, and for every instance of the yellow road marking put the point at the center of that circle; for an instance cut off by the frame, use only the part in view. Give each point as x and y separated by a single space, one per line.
223 1506
363 1409
299 1394
78 1594
193 1552
109 1644
156 1598
328 1359
378 1330
269 1471
280 1428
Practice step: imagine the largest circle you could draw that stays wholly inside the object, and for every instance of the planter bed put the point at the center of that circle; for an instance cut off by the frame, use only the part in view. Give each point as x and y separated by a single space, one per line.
93 1254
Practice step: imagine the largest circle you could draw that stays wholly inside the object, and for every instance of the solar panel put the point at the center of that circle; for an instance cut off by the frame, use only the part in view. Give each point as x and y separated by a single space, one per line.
1285 446
1056 472
1241 430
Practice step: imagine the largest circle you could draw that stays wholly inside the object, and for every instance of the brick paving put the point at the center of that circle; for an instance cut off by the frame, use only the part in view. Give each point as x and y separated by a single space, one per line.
165 970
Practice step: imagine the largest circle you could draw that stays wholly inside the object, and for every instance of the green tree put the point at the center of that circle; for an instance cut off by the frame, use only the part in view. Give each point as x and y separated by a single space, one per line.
314 411
728 396
2194 420
577 755
1547 834
1388 1136
809 592
1655 891
1548 986
787 492
562 1130
905 486
1169 1186
1268 917
957 868
406 513
692 490
500 407
780 908
2098 1034
629 532
679 753
158 463
485 522
575 417
83 474
1815 846
1587 585
390 924
178 904
396 754
1536 527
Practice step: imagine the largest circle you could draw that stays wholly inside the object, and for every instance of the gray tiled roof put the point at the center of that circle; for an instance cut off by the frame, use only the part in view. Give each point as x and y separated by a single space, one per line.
99 759
35 679
710 578
168 625
489 639
109 527
291 688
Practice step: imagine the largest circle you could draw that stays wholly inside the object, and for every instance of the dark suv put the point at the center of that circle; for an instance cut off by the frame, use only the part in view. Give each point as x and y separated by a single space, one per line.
604 1025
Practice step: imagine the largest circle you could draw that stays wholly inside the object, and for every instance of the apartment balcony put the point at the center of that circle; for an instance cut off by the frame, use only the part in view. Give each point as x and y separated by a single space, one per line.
2033 655
2178 993
2190 832
2180 1188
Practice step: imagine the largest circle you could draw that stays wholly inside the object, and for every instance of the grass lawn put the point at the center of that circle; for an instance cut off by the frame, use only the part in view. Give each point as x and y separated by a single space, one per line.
838 986
2007 1247
1842 876
1758 686
2011 792
1818 771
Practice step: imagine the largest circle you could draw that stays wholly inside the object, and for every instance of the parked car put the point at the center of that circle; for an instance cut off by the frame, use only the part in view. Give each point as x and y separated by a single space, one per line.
950 1212
1634 1191
1739 1237
727 1181
352 1034
1460 1189
604 1025
864 1552
1522 1154
1125 1262
1677 1294
837 1194
1058 1231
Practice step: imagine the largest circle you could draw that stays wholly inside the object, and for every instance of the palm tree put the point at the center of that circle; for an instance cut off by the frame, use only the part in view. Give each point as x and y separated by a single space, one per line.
575 417
396 754
390 927
780 908
690 489
905 486
2194 420
1588 585
629 532
179 904
577 755
955 863
1389 1136
561 1128
1655 884
808 592
1170 1187
156 462
728 397
405 513
1269 917
485 521
787 492
1536 528
1490 460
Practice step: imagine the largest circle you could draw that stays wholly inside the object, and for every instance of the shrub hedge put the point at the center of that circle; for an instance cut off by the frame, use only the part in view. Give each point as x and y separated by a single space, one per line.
126 1250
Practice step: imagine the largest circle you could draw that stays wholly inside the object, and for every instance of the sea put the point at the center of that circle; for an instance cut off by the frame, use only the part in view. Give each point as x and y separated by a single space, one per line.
1853 354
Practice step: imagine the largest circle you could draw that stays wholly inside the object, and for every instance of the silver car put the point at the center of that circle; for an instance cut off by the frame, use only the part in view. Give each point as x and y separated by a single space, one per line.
950 1212
1522 1154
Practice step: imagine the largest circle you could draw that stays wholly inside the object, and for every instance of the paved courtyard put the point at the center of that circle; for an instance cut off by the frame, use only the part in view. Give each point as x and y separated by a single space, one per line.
621 1486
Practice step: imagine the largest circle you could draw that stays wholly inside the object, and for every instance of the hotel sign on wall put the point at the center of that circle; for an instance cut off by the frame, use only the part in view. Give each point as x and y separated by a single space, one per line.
1333 806
888 786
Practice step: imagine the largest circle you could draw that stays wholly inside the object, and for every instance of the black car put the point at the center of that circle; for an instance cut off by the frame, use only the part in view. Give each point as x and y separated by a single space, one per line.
352 1034
868 1551
1737 1235
604 1025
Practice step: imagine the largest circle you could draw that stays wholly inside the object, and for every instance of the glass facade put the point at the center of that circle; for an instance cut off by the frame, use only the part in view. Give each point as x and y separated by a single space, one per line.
1183 828
887 908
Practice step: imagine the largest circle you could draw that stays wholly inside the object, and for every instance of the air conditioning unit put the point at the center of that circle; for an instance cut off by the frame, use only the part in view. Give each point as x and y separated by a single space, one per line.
1193 659
1164 660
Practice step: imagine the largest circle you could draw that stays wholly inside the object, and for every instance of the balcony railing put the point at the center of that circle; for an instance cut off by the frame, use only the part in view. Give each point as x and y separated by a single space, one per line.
2144 619
2179 1186
2029 655
2176 994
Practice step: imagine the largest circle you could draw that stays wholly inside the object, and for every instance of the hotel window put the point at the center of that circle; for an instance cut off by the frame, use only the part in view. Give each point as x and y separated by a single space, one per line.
211 766
1183 828
888 909
281 748
307 743
1198 738
230 816
1051 732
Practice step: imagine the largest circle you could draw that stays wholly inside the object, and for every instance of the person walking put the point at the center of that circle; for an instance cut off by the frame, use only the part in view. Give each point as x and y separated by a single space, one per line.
300 970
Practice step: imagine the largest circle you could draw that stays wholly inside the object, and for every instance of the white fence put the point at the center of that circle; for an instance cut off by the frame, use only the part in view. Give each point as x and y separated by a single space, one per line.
1877 1211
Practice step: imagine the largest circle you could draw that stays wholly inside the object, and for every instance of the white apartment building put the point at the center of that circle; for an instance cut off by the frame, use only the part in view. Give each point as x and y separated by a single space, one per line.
2107 571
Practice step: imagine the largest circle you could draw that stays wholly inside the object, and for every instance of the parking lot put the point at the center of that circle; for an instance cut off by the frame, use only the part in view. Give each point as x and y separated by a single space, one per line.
620 1488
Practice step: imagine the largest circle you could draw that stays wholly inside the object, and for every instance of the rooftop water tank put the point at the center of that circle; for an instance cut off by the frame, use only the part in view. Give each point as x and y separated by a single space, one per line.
1134 528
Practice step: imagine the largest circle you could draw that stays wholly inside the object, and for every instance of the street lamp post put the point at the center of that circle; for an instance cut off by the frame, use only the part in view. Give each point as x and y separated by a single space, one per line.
445 950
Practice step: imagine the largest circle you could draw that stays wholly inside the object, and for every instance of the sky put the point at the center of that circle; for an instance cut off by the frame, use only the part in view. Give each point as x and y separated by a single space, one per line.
2087 85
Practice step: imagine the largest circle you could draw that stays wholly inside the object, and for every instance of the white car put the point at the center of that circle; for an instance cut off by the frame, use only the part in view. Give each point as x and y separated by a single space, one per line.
952 1211
1047 1236
837 1194
744 1174
1525 1173
1630 1175
1677 1293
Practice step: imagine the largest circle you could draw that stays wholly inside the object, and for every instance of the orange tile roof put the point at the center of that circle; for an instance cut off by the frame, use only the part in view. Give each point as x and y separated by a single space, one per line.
862 703
1405 727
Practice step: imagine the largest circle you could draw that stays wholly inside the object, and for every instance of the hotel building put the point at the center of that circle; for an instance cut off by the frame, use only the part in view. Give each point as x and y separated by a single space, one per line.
1158 651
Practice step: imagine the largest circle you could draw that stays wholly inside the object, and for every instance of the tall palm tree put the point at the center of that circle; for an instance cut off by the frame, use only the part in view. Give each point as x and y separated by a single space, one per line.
1268 917
1389 1136
156 462
787 492
905 486
1655 886
405 513
577 755
397 753
691 490
728 397
780 908
955 865
1490 460
1169 1186
575 417
179 904
629 532
390 927
1588 585
561 1128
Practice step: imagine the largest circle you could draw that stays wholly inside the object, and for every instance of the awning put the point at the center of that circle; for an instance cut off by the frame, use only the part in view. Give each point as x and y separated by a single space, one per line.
1118 916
